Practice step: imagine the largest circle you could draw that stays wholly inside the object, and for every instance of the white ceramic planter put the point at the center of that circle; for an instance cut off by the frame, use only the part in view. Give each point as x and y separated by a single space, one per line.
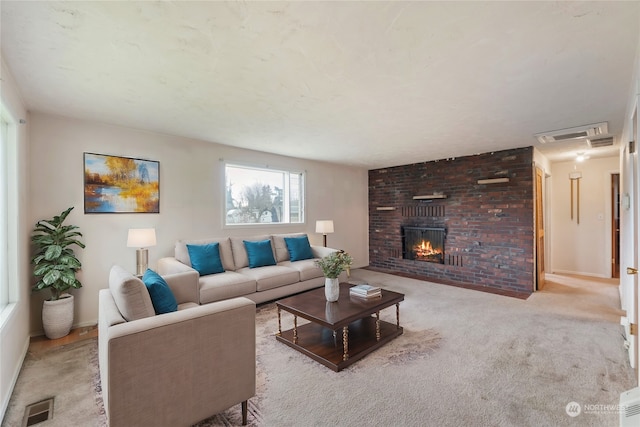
331 289
57 317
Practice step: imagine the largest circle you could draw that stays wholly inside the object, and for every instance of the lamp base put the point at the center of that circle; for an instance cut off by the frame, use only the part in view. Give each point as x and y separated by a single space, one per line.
142 260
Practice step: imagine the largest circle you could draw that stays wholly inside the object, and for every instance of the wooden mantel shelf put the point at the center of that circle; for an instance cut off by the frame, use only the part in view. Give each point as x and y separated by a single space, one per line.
430 196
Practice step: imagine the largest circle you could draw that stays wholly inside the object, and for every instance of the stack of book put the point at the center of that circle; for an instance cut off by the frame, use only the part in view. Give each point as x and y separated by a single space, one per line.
365 290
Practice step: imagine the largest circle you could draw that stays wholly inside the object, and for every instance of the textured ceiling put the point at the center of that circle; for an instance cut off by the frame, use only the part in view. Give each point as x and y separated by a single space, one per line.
371 84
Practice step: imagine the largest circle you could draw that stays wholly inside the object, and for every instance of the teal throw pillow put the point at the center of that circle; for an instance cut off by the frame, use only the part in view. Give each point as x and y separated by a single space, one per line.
259 253
299 248
160 293
206 258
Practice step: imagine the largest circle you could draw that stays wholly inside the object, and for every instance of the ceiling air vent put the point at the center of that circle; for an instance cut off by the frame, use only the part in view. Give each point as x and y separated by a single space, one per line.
601 142
579 132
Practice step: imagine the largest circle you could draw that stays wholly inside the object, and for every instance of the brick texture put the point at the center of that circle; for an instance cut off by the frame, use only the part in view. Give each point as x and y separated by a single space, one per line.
490 231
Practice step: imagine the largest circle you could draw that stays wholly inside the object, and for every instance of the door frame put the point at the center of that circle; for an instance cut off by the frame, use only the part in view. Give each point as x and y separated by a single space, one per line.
539 177
630 191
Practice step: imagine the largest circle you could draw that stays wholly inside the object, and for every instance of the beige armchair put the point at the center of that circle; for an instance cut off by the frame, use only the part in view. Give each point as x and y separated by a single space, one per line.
178 368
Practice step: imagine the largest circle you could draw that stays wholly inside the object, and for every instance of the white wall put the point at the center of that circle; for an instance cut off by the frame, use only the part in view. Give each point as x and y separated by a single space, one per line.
583 248
191 197
541 161
14 320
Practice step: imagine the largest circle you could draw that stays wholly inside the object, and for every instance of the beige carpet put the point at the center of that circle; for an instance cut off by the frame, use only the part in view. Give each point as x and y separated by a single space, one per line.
466 358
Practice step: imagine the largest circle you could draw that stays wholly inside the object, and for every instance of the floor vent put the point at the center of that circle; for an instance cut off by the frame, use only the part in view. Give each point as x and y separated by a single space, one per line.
38 412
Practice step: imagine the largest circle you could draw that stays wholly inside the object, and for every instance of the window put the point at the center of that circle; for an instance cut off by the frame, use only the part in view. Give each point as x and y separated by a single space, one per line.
4 250
9 291
256 195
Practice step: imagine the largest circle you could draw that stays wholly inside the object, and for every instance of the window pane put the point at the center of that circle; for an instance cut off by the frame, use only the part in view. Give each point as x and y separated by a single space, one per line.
258 195
4 266
295 208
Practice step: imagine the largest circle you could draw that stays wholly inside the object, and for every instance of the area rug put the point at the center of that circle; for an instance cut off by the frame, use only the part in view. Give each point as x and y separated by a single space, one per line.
412 345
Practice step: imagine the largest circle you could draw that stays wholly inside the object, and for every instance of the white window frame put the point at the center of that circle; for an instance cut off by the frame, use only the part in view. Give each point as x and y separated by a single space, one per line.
4 226
9 291
287 195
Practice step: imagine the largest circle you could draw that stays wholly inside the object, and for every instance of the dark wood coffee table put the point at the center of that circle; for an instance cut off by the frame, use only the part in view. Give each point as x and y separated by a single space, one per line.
342 332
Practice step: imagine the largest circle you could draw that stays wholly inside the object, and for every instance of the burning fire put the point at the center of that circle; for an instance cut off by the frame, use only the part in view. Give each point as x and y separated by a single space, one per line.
426 250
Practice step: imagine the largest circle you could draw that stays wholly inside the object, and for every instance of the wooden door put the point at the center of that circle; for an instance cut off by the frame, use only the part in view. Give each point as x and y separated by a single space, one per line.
539 230
615 225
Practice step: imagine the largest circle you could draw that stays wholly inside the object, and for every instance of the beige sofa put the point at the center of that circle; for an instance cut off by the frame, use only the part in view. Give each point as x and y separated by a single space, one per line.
178 368
259 284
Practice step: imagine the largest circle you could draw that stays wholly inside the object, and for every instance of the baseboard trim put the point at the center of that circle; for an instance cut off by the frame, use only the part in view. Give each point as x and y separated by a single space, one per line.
580 273
40 333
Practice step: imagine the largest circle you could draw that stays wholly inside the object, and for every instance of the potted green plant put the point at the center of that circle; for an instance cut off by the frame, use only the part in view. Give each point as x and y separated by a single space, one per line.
54 267
332 265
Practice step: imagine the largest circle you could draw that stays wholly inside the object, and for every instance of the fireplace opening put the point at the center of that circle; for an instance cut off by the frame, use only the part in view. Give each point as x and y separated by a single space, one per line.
423 244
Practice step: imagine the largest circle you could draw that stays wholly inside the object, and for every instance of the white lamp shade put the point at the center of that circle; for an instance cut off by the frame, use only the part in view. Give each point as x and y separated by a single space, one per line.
141 237
324 226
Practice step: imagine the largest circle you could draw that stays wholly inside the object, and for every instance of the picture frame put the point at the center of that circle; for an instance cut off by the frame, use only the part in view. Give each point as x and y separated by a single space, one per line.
117 184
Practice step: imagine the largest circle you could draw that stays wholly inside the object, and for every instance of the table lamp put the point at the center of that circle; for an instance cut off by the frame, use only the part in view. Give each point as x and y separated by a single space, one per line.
141 238
325 227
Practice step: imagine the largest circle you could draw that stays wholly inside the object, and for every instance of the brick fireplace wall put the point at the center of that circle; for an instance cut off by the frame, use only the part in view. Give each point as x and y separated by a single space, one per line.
490 231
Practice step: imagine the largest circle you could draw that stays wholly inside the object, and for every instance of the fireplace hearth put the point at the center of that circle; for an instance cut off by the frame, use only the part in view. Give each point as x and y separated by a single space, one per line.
423 244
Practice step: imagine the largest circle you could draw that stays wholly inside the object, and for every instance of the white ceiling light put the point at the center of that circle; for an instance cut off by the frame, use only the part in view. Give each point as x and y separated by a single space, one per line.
578 132
581 157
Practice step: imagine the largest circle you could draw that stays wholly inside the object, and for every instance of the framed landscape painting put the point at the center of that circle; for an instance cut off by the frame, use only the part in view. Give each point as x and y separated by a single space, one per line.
114 184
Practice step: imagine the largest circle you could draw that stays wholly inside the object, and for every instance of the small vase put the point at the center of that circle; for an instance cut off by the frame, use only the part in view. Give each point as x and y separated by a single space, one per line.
331 289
